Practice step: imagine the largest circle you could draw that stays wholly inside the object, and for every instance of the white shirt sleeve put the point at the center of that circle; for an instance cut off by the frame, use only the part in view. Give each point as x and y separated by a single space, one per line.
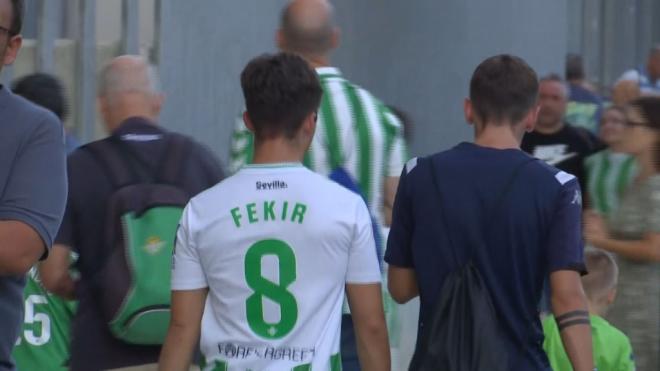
398 151
187 270
363 264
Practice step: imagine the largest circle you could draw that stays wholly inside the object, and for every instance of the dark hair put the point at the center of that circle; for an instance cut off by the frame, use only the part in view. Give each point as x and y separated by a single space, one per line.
649 108
503 87
574 67
280 90
603 274
44 90
17 17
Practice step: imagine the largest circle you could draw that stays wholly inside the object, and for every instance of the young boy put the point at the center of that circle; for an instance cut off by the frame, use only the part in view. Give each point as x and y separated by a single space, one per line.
263 259
612 350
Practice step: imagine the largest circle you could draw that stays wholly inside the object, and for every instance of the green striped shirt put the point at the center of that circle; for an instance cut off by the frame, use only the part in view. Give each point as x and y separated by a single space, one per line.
354 131
608 176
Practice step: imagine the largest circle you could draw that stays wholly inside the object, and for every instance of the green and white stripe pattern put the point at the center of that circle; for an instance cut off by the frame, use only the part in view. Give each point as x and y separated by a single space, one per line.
608 175
354 130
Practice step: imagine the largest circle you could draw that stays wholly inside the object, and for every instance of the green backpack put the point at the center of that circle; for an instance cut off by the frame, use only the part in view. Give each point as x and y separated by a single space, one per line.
143 212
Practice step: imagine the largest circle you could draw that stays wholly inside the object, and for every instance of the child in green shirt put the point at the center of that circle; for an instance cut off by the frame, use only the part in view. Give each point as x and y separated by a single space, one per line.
612 349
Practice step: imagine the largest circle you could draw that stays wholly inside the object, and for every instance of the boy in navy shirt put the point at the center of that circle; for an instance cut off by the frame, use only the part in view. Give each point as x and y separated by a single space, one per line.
535 232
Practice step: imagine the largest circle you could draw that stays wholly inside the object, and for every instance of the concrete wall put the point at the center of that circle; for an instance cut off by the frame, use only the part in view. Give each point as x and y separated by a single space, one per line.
420 55
417 55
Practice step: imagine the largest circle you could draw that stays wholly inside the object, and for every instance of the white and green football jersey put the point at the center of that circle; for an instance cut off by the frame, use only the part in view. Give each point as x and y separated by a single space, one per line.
275 245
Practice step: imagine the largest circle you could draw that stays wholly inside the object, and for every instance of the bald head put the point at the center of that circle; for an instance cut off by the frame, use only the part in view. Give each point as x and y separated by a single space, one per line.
308 28
128 87
125 75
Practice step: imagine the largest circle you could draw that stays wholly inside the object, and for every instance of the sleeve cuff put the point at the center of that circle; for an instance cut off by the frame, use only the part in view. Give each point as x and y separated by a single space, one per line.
16 215
578 267
188 285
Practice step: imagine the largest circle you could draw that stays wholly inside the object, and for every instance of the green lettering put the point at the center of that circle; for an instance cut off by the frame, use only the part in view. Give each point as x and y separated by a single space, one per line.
299 212
284 210
236 216
252 212
269 212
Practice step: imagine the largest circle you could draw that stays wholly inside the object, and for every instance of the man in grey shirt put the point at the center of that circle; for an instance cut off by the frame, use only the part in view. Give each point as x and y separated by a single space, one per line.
32 186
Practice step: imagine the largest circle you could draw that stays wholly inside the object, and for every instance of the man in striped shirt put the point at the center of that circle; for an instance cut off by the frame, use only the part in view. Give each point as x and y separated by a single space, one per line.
355 130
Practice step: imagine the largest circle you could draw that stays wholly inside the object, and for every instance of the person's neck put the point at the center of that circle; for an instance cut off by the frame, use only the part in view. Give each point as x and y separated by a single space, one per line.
597 309
275 151
550 129
646 161
616 147
318 61
497 137
121 117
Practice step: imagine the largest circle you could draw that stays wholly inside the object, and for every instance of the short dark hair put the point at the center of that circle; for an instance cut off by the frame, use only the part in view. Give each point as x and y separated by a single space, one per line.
574 67
44 90
17 17
603 274
280 90
503 87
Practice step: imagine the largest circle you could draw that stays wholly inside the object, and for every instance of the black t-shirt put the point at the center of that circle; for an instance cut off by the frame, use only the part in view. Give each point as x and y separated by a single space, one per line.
565 149
93 347
536 231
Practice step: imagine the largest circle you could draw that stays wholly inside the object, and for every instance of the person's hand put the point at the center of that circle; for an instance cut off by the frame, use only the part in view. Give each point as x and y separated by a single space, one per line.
595 229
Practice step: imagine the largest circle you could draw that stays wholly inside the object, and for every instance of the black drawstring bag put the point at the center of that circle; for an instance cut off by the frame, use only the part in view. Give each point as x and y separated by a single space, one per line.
463 333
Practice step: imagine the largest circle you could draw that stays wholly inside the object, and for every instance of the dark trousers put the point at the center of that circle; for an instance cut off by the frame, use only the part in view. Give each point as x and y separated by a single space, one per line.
348 346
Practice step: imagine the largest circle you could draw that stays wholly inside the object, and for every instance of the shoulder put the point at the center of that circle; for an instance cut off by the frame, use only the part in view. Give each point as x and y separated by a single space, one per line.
34 120
340 187
613 334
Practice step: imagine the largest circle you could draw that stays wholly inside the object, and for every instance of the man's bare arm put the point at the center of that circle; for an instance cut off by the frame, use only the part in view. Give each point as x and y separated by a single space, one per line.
391 185
366 305
20 248
569 306
184 331
402 284
55 274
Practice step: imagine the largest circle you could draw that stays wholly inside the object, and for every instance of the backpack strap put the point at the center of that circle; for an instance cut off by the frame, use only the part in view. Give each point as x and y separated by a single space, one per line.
176 152
106 154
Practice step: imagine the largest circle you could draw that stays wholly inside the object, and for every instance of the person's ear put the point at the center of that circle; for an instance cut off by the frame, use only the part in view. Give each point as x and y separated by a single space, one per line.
530 119
336 38
280 39
611 296
248 122
157 103
13 47
468 111
309 125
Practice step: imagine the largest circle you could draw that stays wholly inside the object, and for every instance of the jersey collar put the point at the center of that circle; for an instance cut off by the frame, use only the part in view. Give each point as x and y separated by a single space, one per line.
278 165
328 72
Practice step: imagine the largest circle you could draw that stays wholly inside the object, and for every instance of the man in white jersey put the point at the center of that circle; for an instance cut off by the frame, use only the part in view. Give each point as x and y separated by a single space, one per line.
262 260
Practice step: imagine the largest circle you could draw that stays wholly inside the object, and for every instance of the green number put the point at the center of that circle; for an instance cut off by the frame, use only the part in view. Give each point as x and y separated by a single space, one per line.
276 292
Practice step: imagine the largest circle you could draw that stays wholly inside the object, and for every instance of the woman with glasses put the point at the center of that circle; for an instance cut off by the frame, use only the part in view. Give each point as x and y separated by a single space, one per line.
632 232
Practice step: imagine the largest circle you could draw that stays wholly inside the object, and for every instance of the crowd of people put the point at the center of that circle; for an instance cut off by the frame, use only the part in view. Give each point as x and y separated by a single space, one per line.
534 247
